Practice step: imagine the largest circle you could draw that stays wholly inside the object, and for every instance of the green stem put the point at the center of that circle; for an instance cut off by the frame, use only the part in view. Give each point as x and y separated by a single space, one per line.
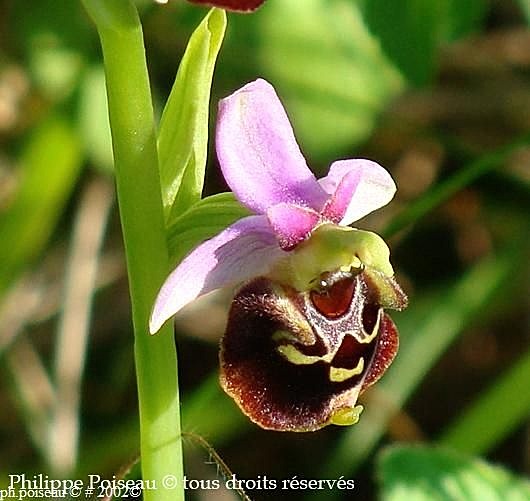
138 186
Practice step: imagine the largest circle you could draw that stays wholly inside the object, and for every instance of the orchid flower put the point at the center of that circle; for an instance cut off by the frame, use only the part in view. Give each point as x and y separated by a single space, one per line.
306 332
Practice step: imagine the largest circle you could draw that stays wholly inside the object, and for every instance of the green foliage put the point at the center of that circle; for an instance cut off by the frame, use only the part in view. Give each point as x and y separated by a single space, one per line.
196 414
463 18
183 136
54 37
330 70
525 7
94 118
50 164
496 413
411 31
420 473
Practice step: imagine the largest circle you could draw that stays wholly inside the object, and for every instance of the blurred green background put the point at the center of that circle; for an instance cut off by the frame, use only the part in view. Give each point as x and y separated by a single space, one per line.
437 91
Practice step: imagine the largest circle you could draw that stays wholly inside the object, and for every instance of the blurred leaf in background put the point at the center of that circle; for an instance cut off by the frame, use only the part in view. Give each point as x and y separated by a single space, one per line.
411 31
49 168
331 70
93 118
54 37
420 473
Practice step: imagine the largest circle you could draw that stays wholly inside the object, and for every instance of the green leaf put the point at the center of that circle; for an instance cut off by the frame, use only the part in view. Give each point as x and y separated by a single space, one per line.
525 7
464 18
329 71
420 473
202 221
408 33
50 164
183 137
496 413
93 119
56 39
228 421
411 31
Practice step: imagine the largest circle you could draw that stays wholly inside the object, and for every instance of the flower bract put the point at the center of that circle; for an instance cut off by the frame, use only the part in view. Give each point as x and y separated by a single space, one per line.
306 331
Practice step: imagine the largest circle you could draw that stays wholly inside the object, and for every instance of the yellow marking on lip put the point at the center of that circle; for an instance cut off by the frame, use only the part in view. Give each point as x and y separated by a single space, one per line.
284 336
339 374
370 337
296 357
346 416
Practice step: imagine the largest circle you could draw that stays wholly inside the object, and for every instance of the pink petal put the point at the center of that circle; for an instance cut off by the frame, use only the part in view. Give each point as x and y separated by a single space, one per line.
258 153
244 250
357 187
292 224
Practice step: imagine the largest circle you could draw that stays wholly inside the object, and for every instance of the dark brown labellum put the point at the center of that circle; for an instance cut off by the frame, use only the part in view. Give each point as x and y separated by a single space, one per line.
297 361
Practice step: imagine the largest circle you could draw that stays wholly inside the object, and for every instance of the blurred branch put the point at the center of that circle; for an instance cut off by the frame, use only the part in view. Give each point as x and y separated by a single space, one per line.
39 293
29 291
74 324
34 391
41 296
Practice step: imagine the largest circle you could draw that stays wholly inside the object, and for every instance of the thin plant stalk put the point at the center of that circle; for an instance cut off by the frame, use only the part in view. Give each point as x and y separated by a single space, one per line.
140 203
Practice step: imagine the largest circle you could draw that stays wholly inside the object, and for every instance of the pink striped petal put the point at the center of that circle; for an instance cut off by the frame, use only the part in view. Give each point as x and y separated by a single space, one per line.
357 187
244 250
292 224
258 153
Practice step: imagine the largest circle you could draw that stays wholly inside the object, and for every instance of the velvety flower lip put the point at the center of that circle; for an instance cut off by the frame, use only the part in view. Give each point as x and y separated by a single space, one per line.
298 361
263 165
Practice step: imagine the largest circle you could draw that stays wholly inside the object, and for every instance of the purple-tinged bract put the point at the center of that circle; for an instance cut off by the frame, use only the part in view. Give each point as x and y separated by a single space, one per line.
235 5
